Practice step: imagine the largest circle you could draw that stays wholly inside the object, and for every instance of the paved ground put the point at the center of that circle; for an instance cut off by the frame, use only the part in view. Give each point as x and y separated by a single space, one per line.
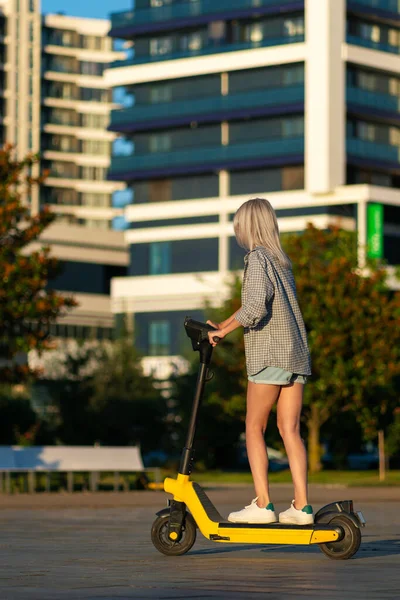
97 546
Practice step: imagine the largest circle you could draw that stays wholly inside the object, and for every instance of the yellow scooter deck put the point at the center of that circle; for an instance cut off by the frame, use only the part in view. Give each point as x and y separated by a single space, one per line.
214 527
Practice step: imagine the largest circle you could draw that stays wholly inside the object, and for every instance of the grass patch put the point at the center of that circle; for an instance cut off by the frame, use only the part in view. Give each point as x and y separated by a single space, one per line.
348 478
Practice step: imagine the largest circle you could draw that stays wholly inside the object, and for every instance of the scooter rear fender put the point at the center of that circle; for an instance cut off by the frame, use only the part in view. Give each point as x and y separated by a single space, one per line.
328 512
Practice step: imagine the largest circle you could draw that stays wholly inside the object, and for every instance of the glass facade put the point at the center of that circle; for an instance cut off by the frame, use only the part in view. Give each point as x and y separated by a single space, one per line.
176 188
162 334
159 338
88 278
160 258
176 256
373 34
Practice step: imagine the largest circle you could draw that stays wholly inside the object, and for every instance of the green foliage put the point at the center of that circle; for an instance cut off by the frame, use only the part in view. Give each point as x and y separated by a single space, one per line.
393 436
126 407
18 420
27 306
105 398
350 316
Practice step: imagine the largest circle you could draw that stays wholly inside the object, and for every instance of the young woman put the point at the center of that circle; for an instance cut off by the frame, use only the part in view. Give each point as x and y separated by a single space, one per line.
277 359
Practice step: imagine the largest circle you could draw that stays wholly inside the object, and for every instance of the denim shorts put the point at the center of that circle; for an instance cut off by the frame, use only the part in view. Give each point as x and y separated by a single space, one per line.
277 376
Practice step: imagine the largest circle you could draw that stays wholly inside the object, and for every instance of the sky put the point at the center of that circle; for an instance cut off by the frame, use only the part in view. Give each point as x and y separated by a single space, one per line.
96 9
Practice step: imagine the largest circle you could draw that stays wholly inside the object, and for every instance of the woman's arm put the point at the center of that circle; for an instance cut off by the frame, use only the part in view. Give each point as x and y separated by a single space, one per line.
223 328
223 324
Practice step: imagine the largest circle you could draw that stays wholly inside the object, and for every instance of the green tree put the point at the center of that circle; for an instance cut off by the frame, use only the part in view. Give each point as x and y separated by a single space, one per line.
124 404
350 317
18 420
27 305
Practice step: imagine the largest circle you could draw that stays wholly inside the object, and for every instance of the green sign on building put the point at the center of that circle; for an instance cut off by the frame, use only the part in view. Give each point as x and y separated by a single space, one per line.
375 230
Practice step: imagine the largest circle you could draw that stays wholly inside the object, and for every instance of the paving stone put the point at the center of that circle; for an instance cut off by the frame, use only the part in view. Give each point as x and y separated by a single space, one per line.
98 547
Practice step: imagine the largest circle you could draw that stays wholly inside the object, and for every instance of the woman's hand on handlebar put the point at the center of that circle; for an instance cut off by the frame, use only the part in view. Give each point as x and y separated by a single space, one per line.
218 333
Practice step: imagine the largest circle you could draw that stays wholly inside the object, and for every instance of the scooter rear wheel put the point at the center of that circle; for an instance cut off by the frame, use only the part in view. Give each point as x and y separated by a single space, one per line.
348 545
161 541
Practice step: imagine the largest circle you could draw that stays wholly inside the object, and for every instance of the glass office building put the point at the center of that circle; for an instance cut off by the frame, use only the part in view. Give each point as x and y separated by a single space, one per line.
293 100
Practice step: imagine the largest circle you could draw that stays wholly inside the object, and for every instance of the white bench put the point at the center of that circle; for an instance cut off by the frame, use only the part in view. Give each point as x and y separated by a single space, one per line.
70 460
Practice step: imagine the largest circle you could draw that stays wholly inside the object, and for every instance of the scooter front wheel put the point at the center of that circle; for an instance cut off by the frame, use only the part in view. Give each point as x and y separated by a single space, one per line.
348 545
161 541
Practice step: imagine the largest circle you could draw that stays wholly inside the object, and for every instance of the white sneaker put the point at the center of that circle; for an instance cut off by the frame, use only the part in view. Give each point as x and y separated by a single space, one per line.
294 516
254 514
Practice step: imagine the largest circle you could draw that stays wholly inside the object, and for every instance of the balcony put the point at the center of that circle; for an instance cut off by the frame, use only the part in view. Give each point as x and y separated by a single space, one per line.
373 103
193 12
249 154
374 154
358 41
378 8
253 103
207 50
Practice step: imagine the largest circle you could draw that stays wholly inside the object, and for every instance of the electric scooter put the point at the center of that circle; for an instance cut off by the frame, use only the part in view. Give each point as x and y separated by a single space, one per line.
336 528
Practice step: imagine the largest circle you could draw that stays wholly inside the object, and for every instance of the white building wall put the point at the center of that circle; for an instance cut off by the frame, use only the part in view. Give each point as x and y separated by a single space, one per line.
325 106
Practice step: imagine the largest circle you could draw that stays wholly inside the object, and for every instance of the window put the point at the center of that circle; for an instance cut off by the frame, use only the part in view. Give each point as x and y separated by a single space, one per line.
31 31
99 147
92 42
63 169
92 199
160 190
92 68
160 142
370 32
293 127
366 131
255 32
293 27
64 143
93 173
293 75
217 31
61 116
159 338
160 258
94 121
63 196
63 64
160 46
160 93
191 42
95 95
156 3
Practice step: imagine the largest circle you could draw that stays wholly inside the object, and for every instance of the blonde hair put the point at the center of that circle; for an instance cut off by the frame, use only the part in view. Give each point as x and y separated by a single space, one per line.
255 224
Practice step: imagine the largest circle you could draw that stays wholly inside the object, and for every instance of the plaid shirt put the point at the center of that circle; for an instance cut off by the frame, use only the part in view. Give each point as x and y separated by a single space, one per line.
274 332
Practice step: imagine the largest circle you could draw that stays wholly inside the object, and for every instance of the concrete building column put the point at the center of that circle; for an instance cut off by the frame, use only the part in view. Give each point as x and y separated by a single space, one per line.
325 106
223 254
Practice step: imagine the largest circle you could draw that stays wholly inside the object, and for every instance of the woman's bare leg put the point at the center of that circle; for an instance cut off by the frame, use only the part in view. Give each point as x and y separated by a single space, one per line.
260 399
289 410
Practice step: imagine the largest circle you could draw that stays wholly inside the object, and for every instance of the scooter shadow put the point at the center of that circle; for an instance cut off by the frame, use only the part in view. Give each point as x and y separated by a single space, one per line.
368 549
